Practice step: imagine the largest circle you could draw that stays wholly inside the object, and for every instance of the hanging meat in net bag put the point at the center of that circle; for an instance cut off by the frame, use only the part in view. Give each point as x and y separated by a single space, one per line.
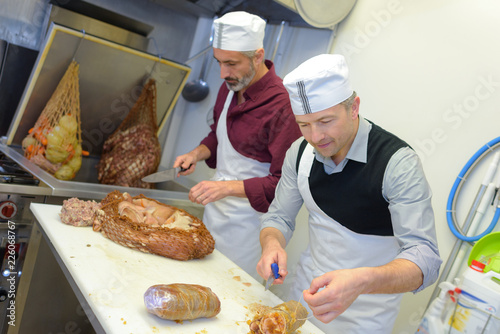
152 227
284 318
133 151
55 142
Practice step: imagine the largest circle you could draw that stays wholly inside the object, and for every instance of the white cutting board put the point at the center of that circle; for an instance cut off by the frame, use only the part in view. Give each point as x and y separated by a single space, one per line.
113 279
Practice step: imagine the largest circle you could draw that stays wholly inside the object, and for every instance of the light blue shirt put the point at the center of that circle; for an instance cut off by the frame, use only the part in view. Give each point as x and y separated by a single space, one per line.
404 187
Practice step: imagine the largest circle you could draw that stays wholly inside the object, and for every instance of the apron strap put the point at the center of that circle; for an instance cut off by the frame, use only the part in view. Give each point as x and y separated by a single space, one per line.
299 154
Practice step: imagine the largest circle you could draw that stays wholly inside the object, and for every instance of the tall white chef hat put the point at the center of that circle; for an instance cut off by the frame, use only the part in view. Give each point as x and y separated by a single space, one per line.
239 31
318 83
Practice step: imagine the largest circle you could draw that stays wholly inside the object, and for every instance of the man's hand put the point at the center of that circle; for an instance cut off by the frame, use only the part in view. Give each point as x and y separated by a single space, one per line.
211 191
189 160
341 288
273 243
186 161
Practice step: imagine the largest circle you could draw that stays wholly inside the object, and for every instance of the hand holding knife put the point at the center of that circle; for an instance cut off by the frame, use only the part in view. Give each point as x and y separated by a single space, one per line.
274 275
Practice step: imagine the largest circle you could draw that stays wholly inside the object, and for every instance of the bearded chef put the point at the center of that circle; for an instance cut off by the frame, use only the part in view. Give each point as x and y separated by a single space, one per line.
371 223
253 127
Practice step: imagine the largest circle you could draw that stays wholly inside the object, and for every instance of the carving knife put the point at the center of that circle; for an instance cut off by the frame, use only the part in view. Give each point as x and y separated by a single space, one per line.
166 175
273 276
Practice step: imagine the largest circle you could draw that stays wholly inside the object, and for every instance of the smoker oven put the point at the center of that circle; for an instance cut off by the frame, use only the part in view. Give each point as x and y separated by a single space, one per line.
18 188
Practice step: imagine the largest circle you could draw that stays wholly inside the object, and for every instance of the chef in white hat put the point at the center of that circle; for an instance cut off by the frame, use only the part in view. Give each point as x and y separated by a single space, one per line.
253 128
371 224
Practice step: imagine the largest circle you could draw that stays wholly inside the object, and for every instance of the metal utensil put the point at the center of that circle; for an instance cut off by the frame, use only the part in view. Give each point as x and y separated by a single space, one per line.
278 39
274 275
166 175
197 90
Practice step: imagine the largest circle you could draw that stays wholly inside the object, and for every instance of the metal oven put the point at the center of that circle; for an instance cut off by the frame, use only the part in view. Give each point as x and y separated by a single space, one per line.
18 188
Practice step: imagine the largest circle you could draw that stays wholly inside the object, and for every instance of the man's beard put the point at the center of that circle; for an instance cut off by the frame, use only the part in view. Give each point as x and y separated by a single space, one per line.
243 82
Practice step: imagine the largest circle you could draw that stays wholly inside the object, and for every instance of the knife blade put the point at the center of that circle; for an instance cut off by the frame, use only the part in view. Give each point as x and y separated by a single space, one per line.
274 275
166 175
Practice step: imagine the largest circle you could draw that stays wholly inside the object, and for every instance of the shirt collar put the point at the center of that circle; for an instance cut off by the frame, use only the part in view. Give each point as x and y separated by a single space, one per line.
358 150
256 89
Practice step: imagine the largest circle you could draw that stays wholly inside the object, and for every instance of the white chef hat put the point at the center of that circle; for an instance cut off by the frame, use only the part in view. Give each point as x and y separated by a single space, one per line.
318 83
239 31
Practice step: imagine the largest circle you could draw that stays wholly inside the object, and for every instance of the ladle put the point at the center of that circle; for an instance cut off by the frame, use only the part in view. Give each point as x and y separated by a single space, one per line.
278 39
197 90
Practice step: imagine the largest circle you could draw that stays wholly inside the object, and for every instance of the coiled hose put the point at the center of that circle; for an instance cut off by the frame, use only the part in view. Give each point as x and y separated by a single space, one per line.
457 185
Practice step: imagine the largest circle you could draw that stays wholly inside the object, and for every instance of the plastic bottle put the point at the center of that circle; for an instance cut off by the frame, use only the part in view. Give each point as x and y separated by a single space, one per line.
479 303
433 319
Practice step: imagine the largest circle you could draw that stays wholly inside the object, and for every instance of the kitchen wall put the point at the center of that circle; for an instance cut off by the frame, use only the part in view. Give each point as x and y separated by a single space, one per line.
428 71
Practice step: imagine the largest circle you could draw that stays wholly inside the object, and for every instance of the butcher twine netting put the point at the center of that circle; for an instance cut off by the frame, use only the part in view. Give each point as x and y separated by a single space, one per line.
55 141
166 240
133 150
284 318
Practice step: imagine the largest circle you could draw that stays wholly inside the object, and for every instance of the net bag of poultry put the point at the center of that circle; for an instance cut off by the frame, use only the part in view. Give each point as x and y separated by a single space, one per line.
133 151
152 227
284 318
55 143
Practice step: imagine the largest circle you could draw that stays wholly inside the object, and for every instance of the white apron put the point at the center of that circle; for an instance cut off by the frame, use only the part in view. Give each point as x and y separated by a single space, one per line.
333 246
232 221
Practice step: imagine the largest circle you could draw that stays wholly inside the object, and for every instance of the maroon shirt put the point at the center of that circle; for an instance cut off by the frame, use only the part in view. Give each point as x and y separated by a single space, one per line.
262 128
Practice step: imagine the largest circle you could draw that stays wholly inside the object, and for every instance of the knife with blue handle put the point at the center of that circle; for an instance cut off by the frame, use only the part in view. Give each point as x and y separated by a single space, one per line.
275 269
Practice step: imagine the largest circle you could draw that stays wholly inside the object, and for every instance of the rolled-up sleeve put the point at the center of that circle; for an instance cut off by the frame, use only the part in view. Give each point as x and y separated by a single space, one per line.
409 195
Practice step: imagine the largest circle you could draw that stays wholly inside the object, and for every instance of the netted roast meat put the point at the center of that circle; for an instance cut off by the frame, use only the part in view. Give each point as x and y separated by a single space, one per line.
284 318
128 156
150 226
133 150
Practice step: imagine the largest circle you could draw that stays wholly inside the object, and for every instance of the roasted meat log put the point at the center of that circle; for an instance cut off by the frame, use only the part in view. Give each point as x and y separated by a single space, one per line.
284 318
152 227
181 301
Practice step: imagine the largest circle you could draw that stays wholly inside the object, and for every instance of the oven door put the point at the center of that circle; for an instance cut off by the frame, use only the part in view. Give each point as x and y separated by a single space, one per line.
13 245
